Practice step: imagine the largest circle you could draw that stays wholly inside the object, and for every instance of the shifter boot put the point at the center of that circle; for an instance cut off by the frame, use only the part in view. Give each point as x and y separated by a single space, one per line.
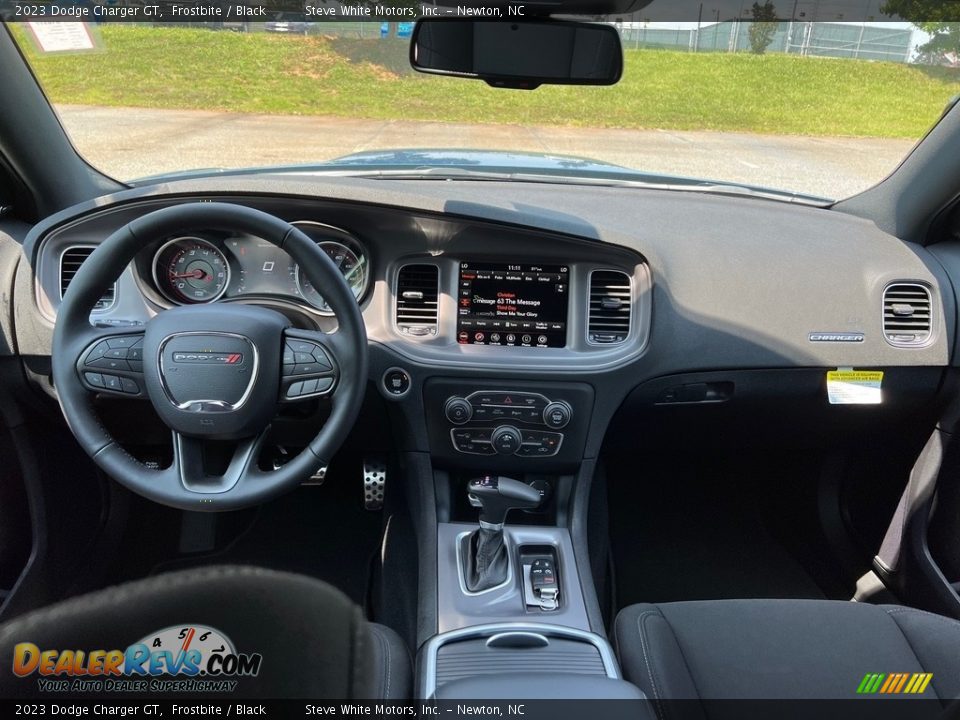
486 560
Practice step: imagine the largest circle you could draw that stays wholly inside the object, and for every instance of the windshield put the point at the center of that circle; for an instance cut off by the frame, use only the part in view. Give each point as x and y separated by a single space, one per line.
824 109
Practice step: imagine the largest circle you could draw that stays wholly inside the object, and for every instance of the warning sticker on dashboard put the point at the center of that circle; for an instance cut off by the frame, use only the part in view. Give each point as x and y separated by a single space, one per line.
846 386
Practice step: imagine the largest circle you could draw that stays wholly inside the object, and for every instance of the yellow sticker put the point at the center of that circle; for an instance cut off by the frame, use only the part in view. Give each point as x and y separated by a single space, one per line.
846 386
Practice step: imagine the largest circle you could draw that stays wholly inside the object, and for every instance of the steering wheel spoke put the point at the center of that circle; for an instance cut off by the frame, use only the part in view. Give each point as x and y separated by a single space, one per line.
194 457
310 366
112 364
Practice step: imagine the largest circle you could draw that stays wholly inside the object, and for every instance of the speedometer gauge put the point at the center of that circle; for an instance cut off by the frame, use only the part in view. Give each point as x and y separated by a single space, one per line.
190 270
345 253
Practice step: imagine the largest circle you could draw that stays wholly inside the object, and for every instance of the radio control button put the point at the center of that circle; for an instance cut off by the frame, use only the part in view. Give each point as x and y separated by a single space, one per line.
458 410
557 415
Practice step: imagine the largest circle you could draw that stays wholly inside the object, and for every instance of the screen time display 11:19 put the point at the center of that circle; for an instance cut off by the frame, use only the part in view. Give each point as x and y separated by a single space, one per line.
513 305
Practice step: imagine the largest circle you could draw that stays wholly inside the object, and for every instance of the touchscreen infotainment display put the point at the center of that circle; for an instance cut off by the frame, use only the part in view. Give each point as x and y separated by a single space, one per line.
511 305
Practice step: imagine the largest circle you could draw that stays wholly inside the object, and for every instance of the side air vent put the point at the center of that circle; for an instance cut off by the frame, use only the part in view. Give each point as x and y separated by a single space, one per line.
907 314
610 305
70 261
418 296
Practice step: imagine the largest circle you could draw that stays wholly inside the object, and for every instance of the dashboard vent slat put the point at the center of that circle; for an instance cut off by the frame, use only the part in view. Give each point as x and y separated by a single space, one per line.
610 307
907 314
70 262
418 300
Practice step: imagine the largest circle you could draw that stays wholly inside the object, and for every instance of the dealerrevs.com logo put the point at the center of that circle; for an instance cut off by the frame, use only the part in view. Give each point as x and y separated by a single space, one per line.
180 658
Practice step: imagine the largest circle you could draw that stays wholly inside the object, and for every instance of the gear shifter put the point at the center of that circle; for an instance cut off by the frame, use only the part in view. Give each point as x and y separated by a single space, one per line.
486 561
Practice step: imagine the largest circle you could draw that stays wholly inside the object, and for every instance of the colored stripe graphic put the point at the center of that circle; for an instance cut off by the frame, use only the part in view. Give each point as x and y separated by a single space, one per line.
894 683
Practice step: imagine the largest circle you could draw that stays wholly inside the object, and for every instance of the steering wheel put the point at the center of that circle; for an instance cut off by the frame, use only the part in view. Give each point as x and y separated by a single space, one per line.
213 373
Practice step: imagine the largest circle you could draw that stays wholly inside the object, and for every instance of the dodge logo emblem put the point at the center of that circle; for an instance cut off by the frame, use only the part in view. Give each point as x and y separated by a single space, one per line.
208 358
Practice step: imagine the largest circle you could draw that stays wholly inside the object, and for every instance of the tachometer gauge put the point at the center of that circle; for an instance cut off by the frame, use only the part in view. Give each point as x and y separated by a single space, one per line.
347 255
190 270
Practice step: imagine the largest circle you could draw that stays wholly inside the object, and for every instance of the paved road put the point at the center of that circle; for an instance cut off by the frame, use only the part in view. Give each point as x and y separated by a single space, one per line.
134 142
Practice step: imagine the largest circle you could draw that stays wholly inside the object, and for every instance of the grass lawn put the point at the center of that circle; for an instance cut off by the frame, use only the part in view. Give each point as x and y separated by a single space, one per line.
263 73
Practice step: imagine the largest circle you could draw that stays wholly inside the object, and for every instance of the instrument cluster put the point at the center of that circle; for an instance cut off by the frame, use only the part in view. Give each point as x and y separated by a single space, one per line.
205 267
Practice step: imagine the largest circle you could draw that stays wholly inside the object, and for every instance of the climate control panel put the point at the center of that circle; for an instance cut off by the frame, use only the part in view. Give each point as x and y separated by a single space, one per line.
520 407
506 440
507 425
507 417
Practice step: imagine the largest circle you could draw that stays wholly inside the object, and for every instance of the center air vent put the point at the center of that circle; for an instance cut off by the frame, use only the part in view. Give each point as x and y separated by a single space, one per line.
609 322
70 262
418 295
907 314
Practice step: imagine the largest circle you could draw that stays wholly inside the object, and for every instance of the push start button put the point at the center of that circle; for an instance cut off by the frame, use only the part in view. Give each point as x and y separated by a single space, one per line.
396 382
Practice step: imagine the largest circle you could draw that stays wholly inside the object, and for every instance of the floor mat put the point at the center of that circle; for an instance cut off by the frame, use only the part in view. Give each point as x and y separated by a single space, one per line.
686 531
322 531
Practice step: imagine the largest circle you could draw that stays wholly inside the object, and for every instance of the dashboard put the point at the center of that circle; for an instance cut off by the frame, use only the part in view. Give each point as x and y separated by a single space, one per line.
440 290
510 322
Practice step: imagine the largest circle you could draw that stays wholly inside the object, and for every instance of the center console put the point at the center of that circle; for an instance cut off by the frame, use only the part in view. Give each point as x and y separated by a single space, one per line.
513 605
512 617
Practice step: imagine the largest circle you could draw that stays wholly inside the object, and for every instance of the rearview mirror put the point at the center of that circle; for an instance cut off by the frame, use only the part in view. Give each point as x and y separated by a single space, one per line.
521 55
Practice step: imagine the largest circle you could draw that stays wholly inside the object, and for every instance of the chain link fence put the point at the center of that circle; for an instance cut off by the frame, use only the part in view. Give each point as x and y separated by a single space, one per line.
819 39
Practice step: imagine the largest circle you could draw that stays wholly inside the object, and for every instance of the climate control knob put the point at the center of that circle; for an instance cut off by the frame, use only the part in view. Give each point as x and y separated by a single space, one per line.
458 410
557 415
506 440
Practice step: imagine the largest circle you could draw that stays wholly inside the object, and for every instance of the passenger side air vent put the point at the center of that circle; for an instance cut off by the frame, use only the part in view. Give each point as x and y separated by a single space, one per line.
907 314
610 305
70 261
418 296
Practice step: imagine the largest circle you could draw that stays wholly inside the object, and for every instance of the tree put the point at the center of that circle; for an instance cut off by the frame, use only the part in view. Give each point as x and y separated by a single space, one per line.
937 18
763 27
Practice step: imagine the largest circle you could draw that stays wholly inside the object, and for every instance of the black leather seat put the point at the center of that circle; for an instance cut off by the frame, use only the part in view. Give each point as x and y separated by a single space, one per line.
313 640
781 649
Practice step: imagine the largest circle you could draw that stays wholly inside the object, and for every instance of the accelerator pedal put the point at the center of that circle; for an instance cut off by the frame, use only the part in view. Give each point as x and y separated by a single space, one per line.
374 483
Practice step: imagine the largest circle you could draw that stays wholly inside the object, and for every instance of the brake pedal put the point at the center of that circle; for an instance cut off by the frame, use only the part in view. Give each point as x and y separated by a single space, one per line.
374 483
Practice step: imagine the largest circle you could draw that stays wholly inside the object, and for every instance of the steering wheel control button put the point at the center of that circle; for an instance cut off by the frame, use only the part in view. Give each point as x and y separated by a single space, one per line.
311 368
323 384
109 364
302 357
306 359
396 382
458 410
98 351
129 387
112 382
94 379
295 390
506 440
557 415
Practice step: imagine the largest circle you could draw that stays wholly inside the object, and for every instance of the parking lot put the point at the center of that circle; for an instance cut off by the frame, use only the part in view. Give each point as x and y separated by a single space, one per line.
149 141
